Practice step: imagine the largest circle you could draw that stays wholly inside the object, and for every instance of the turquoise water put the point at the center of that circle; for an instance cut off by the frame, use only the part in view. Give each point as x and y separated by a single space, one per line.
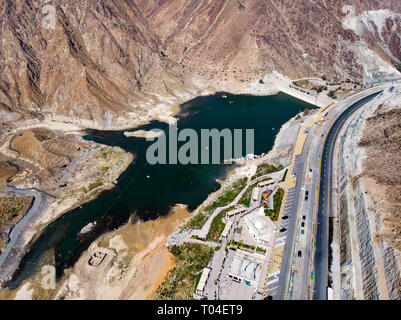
147 192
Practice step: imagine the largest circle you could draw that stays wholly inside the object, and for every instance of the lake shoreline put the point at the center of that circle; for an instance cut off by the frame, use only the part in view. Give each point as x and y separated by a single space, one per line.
154 250
231 173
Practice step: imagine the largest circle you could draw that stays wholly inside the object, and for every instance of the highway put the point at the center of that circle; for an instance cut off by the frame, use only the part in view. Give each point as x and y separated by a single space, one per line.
313 168
321 259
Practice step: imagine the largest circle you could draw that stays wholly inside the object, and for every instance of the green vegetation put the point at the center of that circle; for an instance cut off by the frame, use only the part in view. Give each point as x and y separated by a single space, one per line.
105 169
230 193
246 197
277 200
199 275
94 185
11 207
285 175
332 94
110 153
260 250
301 83
180 282
319 89
198 220
227 196
266 168
7 171
217 226
242 245
106 152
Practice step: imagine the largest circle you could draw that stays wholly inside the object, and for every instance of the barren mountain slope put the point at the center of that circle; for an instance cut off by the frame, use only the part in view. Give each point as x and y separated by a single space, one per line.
108 63
244 40
96 64
382 140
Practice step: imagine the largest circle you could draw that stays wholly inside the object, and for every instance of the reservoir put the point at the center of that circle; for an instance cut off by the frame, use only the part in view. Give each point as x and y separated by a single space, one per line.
148 191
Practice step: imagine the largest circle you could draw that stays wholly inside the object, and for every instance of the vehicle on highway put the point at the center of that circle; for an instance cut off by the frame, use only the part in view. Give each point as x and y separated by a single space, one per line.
302 231
322 135
299 253
285 217
303 217
293 175
303 224
283 230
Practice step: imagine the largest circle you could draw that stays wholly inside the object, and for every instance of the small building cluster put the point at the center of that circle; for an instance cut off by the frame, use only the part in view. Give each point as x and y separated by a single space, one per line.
248 238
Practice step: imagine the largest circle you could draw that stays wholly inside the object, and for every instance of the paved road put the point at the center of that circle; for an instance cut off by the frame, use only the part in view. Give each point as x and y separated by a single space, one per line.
304 223
295 274
290 210
16 231
321 266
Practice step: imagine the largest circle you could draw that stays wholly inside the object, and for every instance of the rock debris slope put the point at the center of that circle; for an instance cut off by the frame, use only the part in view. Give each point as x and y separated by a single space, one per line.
367 223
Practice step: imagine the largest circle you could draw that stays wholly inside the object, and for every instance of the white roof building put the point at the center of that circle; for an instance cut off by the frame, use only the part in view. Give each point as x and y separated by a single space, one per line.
246 268
226 230
202 282
235 212
265 183
260 226
255 193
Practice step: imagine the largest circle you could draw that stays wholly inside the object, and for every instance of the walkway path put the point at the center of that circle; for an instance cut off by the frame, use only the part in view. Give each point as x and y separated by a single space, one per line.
202 233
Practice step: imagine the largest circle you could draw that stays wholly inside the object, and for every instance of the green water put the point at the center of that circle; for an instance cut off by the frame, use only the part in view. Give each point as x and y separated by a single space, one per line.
145 191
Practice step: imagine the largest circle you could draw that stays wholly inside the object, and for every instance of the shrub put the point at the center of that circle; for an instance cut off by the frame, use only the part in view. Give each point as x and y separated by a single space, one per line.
180 283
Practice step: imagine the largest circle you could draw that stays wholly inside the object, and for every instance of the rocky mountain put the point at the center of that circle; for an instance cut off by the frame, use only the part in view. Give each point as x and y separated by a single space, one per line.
117 63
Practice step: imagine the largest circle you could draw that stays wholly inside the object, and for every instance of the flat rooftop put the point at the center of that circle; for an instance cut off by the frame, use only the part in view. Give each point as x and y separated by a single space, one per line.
246 267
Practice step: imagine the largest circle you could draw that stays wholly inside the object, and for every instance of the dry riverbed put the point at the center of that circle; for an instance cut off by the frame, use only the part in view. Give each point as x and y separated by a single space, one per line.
68 170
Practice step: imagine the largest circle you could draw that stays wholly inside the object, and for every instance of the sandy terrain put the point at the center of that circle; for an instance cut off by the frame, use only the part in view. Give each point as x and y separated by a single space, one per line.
144 134
140 262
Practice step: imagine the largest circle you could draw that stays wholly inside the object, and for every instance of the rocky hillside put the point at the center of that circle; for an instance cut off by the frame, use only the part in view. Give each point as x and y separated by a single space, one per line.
382 142
366 247
115 63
